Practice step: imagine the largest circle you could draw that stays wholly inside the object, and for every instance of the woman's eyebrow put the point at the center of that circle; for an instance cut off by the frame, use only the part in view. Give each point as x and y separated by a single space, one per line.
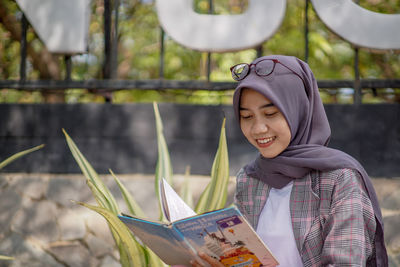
267 105
263 106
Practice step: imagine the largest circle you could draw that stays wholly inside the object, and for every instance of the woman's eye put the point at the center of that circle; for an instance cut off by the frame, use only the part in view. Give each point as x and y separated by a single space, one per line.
270 114
245 117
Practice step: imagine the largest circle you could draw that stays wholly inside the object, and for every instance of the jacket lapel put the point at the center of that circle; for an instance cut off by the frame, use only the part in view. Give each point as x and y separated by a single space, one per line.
304 209
258 194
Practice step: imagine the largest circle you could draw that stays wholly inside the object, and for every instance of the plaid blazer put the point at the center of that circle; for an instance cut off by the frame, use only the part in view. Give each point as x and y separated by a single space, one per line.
332 217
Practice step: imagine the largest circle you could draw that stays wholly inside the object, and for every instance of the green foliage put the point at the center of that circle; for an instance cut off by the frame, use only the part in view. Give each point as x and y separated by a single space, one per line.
186 192
129 249
164 166
100 191
215 194
18 155
132 253
133 206
6 258
139 42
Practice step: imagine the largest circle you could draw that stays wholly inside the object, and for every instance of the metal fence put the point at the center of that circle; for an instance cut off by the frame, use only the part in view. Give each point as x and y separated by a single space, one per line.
110 83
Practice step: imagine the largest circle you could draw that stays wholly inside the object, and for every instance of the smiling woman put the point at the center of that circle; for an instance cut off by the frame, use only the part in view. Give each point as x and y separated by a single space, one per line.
263 124
298 193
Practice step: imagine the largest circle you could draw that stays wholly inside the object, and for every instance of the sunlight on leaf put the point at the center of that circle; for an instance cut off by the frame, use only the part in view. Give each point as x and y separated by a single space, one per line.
186 192
99 190
164 166
215 195
18 155
134 253
6 258
133 206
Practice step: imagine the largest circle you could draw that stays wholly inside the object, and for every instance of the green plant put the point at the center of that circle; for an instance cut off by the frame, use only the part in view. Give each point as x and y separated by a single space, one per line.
6 258
8 161
18 155
132 253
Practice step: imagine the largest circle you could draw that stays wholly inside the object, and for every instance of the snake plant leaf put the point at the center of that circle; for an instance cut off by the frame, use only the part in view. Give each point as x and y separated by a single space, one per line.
99 190
131 203
215 195
6 258
164 166
124 257
124 254
154 260
18 155
133 255
100 199
186 192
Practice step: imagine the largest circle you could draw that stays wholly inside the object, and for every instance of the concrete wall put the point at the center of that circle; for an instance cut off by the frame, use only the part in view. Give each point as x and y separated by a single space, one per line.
122 137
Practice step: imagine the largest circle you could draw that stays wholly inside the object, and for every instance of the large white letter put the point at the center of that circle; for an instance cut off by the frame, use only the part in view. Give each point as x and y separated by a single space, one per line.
220 33
359 26
62 25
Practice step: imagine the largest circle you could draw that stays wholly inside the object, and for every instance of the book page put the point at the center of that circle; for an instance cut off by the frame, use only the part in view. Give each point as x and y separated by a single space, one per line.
226 236
161 239
173 206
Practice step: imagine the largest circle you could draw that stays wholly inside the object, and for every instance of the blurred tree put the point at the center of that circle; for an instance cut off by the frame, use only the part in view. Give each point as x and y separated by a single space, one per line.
46 64
139 40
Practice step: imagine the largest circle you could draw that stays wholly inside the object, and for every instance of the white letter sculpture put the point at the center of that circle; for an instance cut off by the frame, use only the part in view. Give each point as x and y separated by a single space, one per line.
62 25
220 33
359 26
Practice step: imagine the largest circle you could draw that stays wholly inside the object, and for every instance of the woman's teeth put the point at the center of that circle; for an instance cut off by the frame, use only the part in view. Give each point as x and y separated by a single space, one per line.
265 140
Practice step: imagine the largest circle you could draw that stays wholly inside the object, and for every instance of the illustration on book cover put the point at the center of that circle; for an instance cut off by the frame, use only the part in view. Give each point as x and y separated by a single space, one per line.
226 240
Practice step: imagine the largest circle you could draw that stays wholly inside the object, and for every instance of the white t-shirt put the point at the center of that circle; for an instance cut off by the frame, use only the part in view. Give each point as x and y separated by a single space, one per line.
275 227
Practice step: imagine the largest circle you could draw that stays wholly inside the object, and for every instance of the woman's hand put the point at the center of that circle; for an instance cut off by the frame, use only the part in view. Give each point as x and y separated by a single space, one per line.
210 260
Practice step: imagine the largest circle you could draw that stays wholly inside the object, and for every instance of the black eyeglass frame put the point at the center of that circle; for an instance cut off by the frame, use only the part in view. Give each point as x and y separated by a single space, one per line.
261 75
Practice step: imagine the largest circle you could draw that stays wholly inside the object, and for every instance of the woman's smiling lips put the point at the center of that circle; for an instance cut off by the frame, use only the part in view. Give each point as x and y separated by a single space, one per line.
265 142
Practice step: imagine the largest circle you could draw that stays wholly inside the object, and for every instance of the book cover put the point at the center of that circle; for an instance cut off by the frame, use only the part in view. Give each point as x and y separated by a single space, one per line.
161 239
223 234
226 236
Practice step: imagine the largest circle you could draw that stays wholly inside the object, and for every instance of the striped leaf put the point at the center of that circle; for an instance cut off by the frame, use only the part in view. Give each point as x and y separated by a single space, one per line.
164 166
186 192
215 195
18 155
100 192
132 205
132 252
6 258
154 260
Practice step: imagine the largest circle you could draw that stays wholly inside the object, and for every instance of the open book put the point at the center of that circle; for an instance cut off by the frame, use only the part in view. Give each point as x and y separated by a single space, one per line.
223 234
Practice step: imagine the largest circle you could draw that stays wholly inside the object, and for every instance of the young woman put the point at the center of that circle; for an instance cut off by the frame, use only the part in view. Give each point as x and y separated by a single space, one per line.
312 205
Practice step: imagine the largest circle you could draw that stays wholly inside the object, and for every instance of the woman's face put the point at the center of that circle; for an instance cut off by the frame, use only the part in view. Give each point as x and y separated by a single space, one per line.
263 124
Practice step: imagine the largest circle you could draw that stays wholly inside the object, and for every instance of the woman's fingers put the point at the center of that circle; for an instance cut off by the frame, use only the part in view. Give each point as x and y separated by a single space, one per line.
196 264
213 262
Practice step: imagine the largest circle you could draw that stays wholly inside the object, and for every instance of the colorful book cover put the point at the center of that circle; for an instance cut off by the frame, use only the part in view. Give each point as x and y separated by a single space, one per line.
161 239
226 236
223 234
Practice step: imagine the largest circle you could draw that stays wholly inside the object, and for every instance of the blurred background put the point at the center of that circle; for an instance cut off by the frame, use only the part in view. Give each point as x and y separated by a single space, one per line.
138 49
102 95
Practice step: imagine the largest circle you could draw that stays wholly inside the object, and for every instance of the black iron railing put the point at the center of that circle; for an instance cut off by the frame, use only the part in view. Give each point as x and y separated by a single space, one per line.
110 83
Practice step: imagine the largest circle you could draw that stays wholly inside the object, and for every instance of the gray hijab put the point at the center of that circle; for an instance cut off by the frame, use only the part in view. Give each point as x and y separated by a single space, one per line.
300 103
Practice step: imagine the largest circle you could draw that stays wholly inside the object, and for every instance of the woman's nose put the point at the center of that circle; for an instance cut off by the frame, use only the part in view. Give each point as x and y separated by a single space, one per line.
260 127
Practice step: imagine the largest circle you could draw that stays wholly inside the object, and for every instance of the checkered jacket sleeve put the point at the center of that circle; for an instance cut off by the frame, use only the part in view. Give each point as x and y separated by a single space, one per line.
347 219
